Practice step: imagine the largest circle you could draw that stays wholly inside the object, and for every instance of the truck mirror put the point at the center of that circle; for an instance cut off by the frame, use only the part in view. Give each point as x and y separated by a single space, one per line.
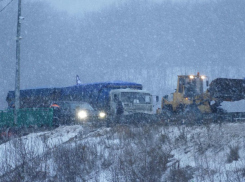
207 83
157 98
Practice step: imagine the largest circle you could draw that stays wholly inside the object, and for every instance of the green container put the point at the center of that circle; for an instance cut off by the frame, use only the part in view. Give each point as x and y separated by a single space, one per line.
27 117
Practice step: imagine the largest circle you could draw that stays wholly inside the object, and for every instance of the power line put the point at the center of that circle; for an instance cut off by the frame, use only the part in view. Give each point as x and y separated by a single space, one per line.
6 6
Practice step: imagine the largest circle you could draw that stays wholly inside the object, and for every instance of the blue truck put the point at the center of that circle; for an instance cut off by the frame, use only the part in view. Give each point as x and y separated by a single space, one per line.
103 96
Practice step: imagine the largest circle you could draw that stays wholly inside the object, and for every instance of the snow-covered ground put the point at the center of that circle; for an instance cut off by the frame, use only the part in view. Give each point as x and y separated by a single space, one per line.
127 153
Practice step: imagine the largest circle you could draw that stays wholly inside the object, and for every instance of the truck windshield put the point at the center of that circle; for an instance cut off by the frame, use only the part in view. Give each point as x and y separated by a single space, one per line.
136 98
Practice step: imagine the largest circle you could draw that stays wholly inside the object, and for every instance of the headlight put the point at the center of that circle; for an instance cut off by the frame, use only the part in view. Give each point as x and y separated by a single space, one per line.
203 77
102 114
191 76
82 114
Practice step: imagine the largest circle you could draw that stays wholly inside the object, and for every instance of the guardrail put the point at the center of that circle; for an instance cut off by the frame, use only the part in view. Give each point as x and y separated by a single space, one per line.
27 117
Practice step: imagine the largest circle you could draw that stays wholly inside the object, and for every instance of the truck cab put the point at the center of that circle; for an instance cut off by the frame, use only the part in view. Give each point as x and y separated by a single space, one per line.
132 101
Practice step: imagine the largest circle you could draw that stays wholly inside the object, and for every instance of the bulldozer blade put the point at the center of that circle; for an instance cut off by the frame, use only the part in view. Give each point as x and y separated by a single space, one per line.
226 89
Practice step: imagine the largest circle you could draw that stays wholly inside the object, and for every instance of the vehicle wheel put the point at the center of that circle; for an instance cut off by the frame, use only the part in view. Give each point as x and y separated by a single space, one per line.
192 114
109 120
167 112
56 122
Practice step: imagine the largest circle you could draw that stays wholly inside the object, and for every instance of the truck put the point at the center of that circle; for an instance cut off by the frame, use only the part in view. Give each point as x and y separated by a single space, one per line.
103 96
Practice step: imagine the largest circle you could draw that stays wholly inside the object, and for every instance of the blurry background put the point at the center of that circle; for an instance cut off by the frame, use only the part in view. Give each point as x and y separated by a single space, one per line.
144 41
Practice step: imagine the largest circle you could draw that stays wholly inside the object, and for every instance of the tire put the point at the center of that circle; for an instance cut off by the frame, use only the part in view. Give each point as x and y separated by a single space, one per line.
167 112
192 114
56 122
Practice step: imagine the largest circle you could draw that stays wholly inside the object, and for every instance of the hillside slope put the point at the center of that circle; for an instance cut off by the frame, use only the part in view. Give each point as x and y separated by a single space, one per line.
127 153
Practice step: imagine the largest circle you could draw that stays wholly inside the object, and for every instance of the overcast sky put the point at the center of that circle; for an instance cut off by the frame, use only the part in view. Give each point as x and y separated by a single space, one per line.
79 7
137 41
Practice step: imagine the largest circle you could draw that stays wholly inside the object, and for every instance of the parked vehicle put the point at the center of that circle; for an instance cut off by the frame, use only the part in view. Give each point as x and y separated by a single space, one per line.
75 112
104 96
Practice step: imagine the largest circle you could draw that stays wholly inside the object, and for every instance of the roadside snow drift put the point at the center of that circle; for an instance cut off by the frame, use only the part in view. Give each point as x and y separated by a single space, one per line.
127 153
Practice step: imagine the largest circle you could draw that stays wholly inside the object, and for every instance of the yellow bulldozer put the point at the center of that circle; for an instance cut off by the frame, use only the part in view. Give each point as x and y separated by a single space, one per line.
190 97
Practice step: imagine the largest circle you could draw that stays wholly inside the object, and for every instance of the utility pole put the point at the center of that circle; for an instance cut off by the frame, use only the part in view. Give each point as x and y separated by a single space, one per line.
17 73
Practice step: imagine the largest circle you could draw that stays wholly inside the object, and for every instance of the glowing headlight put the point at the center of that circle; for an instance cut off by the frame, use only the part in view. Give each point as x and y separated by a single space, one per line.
203 77
102 114
191 76
82 114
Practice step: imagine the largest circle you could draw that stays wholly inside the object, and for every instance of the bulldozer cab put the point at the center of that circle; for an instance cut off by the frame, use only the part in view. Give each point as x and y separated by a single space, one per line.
190 85
189 92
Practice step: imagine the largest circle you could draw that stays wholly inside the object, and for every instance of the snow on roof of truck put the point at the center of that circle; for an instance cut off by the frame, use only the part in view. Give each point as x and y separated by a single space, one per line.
130 90
113 84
